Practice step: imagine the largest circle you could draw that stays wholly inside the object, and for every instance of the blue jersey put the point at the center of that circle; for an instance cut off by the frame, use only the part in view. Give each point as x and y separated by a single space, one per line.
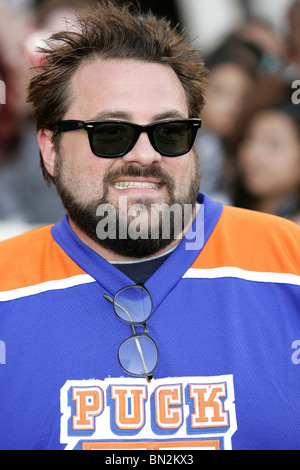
226 321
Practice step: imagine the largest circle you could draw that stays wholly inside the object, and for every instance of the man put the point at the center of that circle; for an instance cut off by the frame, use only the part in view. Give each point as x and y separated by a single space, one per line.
150 317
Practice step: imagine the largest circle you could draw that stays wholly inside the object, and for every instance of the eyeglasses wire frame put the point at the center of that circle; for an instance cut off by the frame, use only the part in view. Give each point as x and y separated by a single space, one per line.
136 336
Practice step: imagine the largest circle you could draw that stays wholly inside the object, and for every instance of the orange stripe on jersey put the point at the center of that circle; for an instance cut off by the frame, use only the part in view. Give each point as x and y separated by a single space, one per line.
42 256
208 444
252 241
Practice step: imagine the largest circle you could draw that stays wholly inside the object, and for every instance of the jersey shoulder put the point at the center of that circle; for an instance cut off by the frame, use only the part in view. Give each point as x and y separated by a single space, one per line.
33 257
254 241
261 224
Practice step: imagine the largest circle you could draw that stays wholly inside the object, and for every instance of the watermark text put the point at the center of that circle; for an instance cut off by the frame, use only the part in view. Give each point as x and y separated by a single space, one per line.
2 353
296 353
154 222
296 93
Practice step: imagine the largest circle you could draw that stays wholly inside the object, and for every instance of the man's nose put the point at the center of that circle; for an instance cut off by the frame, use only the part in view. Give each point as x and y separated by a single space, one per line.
142 153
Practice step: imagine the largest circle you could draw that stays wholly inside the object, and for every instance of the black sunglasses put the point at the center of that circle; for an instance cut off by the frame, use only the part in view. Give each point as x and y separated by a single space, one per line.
138 354
112 139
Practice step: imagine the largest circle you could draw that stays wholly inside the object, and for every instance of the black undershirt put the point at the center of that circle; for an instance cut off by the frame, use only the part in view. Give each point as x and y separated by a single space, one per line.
141 271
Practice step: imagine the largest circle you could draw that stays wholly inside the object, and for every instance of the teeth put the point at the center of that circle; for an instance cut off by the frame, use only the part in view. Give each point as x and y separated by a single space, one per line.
135 184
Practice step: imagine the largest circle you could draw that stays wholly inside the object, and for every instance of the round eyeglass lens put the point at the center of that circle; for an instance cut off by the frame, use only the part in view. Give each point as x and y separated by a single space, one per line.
133 304
138 355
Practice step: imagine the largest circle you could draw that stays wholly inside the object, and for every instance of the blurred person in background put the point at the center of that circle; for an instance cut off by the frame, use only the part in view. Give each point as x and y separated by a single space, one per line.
13 29
23 194
275 77
11 109
250 69
293 39
24 198
9 138
9 117
48 17
268 162
233 72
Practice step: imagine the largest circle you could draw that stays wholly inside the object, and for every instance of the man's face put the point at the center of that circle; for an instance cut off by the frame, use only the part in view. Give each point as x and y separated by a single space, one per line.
141 93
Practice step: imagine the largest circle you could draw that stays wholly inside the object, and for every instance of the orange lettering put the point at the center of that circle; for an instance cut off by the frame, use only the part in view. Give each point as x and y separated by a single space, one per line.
165 397
208 406
129 406
89 404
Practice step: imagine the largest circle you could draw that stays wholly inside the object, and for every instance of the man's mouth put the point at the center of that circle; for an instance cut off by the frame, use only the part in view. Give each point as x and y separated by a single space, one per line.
135 185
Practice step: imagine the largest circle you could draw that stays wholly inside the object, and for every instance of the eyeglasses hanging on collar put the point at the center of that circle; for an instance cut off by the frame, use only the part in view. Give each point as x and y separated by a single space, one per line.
138 354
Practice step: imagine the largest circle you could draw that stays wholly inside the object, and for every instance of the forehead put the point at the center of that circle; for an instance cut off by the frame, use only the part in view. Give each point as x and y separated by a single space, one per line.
134 87
274 122
230 73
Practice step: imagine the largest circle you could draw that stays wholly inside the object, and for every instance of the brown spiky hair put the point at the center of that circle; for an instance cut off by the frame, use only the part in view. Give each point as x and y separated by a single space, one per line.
110 31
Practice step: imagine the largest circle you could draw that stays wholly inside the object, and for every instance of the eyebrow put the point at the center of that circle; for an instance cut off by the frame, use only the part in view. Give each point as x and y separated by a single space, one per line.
111 115
121 115
172 114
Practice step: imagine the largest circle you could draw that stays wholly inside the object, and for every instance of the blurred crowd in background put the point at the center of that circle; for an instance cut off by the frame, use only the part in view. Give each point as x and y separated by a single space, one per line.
249 145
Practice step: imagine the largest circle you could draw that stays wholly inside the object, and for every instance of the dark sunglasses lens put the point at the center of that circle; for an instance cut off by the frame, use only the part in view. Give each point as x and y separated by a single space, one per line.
173 138
133 304
110 139
138 355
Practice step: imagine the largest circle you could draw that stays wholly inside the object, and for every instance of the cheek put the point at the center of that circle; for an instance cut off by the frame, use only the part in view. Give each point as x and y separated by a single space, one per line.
245 157
78 155
186 171
288 170
82 172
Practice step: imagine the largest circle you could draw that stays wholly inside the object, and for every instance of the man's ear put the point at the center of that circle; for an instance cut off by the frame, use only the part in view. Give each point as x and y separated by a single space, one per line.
47 150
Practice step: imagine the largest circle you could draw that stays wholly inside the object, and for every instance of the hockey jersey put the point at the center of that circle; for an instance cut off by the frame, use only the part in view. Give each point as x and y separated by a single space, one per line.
226 320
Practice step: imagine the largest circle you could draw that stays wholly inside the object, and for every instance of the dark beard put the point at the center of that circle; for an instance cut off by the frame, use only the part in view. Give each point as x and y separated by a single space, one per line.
86 219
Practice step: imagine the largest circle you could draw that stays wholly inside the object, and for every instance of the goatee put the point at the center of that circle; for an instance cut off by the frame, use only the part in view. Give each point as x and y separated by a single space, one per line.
86 218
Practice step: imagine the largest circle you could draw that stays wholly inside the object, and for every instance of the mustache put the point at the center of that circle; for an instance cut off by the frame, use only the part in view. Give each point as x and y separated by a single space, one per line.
152 171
